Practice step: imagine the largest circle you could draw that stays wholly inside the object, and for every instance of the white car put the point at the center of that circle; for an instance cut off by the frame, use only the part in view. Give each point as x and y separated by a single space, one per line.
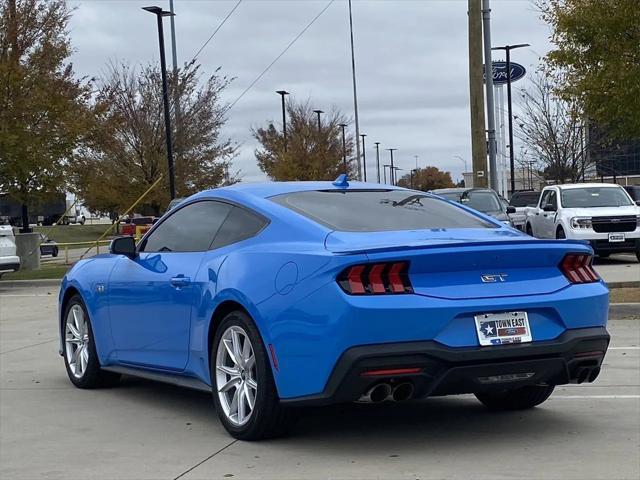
600 213
9 261
521 201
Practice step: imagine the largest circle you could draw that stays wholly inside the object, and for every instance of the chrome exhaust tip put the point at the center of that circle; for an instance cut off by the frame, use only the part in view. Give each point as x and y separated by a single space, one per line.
376 394
402 392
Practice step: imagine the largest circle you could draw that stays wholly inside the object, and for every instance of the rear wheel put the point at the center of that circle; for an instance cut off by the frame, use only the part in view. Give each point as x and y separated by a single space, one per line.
517 398
529 230
603 255
244 390
560 233
80 357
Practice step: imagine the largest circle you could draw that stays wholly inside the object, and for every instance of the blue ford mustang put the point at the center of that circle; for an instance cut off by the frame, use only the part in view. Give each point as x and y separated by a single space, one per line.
279 295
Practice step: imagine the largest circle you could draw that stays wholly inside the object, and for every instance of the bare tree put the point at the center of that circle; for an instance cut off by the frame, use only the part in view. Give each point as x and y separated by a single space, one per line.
553 130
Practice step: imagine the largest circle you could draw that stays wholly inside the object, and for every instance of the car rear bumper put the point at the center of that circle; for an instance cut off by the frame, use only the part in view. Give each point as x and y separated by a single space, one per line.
605 246
573 357
9 264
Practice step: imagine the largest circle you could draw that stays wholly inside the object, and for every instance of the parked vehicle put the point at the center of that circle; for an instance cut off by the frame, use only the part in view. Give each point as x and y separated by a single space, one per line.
48 246
73 214
310 293
634 192
9 261
483 200
602 214
520 201
129 227
46 213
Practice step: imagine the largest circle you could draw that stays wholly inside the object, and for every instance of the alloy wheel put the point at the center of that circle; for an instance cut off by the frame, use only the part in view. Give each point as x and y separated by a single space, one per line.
76 337
236 375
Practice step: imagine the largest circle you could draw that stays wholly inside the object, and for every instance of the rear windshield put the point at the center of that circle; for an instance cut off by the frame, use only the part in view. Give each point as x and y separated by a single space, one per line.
378 210
526 199
594 197
486 202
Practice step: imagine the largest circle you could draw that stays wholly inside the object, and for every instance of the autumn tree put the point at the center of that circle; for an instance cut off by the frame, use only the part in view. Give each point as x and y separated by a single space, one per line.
43 107
311 152
552 129
425 179
597 55
127 154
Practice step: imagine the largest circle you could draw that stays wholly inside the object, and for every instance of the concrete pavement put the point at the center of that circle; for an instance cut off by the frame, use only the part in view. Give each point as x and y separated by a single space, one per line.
140 430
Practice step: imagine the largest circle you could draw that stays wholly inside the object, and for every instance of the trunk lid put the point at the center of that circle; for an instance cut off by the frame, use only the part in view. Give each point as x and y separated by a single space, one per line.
466 263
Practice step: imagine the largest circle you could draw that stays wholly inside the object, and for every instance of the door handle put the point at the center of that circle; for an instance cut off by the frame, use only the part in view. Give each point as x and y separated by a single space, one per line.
180 281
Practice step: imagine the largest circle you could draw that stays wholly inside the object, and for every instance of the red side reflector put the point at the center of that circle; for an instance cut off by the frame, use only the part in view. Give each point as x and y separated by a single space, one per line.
274 359
596 353
390 371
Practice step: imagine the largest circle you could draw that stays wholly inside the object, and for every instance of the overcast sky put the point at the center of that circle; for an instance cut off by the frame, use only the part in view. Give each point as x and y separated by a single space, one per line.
411 60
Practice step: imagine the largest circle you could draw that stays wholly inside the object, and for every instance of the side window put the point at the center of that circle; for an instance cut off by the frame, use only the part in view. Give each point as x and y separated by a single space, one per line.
239 225
545 198
553 199
189 229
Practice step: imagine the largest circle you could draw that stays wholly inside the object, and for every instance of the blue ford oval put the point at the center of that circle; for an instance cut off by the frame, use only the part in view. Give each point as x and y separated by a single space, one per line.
280 295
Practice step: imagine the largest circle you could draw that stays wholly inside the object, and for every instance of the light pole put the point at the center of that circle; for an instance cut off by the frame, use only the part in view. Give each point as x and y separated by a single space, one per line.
378 160
282 94
318 112
159 13
384 171
462 160
392 173
413 170
507 49
364 157
344 147
355 90
395 178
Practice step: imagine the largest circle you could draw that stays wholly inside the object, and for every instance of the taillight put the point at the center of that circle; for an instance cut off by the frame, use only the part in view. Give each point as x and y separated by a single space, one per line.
376 279
577 268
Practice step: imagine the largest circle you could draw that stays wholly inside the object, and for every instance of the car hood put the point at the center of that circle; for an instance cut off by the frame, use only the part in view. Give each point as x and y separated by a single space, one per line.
601 211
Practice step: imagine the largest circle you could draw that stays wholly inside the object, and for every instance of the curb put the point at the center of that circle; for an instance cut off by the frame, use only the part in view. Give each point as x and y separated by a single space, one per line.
49 282
631 284
624 310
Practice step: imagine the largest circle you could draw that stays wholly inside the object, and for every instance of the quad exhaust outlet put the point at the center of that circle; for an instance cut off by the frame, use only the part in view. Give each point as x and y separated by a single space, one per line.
383 391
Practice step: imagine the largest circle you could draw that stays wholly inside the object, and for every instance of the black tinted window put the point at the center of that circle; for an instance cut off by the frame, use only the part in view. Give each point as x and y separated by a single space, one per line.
525 199
378 210
239 225
189 229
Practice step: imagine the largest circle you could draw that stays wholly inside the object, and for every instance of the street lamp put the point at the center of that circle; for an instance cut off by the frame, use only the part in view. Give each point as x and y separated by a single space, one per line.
159 13
282 94
507 49
318 112
378 160
364 157
384 171
344 147
392 172
462 160
413 170
395 178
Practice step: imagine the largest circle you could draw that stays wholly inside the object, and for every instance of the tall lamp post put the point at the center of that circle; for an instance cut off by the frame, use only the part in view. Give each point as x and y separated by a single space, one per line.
282 94
392 173
344 147
384 171
159 13
378 160
395 178
507 49
318 113
364 157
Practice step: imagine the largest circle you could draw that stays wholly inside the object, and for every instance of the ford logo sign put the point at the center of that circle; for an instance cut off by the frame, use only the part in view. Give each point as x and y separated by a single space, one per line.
500 72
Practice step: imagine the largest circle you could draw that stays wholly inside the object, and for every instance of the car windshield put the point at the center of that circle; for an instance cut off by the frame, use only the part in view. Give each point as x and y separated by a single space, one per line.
481 201
378 210
594 197
525 199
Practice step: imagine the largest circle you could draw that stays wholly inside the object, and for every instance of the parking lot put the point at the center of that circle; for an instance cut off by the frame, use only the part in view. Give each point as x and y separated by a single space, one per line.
143 429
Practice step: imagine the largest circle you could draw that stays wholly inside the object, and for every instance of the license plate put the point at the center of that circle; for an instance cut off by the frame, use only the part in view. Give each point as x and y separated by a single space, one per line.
616 237
503 328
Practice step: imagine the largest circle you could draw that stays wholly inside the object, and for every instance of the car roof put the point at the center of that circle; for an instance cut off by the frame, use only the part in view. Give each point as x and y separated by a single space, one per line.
568 186
461 190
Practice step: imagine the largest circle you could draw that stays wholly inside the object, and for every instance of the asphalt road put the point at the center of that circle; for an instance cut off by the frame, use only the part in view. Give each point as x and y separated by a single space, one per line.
49 429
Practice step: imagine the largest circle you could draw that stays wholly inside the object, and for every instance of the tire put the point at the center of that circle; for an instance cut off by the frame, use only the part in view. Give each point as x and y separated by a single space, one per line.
268 418
78 335
603 255
55 252
560 235
529 230
516 399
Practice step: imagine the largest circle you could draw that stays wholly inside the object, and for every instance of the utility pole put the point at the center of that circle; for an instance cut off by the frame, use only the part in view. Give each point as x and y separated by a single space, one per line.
416 157
478 142
318 112
355 92
282 94
159 13
488 81
176 92
384 168
392 172
378 160
344 147
364 157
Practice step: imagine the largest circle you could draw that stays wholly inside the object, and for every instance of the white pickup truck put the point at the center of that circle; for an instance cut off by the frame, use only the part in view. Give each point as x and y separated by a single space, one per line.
602 214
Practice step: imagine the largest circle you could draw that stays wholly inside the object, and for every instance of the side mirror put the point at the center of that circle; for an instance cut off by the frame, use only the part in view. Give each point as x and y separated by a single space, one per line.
123 246
549 208
638 202
511 209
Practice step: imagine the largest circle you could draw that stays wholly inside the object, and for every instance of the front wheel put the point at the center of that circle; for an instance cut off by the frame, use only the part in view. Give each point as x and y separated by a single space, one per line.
517 398
560 233
244 391
529 230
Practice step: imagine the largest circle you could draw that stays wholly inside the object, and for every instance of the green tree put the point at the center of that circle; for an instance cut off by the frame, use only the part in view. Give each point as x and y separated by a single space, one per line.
43 107
127 154
597 59
311 153
425 179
